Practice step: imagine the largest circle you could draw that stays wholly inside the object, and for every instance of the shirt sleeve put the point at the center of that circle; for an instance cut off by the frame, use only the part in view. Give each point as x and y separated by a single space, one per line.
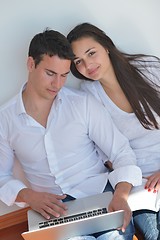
9 186
113 143
131 174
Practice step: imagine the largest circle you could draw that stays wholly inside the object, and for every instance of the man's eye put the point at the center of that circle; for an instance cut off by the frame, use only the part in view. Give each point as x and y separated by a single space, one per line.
49 73
65 75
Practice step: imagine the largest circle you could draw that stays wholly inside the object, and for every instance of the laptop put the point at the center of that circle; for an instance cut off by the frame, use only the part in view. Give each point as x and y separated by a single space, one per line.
84 216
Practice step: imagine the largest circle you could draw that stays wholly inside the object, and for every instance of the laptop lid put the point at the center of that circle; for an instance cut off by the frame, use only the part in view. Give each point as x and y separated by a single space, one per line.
84 216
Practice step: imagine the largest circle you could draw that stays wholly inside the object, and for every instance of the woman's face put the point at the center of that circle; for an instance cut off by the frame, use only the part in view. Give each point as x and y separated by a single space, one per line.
91 58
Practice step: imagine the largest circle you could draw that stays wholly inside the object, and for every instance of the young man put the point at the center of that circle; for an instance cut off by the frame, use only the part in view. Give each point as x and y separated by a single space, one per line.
52 131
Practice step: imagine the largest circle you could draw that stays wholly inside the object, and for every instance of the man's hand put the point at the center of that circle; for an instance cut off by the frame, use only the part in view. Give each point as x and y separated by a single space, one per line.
119 202
153 182
42 202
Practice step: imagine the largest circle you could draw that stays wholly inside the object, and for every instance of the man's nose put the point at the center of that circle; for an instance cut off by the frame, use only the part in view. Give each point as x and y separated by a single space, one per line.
57 82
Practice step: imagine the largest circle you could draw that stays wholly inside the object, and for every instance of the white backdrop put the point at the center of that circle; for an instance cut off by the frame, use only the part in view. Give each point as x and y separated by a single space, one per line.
133 25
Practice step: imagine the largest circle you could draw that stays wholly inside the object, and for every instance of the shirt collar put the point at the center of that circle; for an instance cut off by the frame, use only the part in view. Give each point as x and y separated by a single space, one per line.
20 104
59 97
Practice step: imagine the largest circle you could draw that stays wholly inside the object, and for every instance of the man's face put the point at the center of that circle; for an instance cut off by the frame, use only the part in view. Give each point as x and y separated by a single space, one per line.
49 76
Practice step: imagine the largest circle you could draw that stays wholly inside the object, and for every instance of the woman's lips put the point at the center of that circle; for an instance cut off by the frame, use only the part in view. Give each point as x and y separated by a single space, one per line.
93 72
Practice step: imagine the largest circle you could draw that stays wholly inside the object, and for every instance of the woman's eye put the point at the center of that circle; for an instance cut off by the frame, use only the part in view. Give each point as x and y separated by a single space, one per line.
91 53
77 62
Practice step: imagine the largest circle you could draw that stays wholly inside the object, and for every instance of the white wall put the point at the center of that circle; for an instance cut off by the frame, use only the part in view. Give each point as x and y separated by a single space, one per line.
132 25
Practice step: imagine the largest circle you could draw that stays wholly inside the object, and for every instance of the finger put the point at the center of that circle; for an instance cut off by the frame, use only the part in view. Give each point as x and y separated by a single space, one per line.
48 212
157 187
110 209
56 210
58 203
151 184
123 229
43 213
60 197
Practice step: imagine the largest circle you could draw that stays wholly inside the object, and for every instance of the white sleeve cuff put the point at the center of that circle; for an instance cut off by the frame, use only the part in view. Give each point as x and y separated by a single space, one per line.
9 191
131 174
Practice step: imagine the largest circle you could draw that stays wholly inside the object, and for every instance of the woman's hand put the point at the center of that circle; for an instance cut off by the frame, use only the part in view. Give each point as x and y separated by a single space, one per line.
153 182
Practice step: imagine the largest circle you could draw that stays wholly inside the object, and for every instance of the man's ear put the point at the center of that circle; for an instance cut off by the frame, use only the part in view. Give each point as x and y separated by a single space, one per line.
30 64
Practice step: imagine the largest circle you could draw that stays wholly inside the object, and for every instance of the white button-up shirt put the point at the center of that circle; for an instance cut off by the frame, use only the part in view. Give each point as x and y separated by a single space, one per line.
62 157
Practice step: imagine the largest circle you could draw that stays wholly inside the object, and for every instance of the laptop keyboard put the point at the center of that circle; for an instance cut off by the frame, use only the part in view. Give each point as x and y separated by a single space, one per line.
71 218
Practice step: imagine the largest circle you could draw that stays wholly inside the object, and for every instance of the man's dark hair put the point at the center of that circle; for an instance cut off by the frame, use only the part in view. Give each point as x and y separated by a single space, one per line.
50 43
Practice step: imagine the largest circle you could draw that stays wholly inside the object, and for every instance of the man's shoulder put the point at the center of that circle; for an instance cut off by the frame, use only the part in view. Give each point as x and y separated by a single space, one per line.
76 98
87 83
73 92
7 106
80 97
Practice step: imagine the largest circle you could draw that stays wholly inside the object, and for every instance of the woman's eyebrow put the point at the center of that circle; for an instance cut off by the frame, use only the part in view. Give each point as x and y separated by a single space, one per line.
89 49
85 52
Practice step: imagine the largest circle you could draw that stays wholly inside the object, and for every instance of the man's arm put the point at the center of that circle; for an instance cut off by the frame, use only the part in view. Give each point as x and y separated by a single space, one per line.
14 191
113 143
119 202
9 186
125 174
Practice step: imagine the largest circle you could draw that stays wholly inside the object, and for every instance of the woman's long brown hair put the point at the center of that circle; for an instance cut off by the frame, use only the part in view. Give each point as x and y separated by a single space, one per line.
131 71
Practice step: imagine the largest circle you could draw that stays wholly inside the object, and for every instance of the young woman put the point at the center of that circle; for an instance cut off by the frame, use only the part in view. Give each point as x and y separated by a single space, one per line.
129 87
